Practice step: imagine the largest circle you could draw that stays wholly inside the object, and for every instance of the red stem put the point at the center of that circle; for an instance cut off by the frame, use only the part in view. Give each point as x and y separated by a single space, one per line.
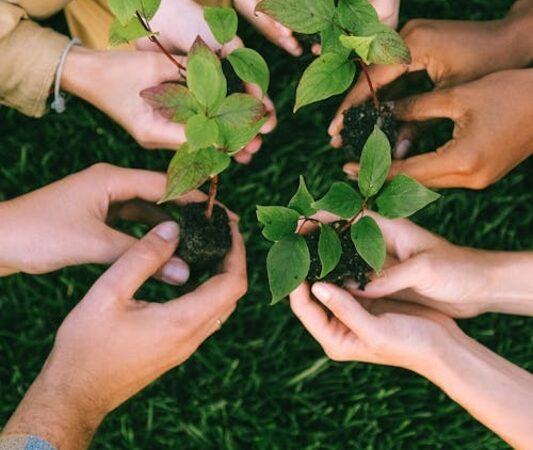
154 39
364 68
213 188
354 218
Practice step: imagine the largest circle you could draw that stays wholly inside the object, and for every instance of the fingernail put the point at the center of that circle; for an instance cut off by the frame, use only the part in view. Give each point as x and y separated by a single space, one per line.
322 292
168 231
175 271
349 171
402 148
353 285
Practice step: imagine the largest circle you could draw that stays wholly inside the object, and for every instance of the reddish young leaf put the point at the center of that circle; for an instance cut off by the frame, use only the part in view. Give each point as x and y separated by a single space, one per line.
173 101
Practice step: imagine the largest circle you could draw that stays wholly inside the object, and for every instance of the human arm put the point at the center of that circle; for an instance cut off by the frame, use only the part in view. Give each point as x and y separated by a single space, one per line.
67 222
111 346
494 391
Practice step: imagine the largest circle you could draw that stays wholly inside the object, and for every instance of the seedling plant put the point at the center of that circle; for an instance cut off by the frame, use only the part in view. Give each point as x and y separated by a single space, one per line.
218 123
351 35
351 247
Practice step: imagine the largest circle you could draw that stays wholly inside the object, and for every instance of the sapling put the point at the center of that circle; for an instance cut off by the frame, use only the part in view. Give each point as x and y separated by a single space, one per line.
218 123
350 35
353 246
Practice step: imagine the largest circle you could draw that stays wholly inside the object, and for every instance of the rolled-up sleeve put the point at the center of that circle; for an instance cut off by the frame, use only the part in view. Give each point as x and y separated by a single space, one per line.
20 442
29 55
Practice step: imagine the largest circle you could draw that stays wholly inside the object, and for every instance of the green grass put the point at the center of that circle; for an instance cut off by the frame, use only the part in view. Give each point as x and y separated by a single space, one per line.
262 382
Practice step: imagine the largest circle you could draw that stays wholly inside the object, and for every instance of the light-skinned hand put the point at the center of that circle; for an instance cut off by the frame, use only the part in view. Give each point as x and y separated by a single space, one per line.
112 345
493 390
462 282
65 223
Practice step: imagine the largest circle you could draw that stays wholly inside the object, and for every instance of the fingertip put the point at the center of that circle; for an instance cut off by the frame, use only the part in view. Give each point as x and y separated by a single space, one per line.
169 231
316 49
175 272
351 169
323 292
336 142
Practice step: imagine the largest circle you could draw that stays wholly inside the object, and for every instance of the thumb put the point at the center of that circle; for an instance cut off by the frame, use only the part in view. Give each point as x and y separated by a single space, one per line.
139 263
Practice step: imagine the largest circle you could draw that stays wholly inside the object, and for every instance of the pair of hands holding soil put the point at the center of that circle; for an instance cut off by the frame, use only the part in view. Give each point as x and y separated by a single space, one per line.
471 65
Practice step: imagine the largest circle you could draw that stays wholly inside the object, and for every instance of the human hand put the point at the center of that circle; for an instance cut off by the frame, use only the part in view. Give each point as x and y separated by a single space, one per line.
426 269
377 331
111 81
111 346
65 223
451 52
492 131
179 24
388 11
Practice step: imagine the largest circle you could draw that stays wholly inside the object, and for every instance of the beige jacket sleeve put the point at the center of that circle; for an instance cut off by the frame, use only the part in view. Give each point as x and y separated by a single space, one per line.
29 54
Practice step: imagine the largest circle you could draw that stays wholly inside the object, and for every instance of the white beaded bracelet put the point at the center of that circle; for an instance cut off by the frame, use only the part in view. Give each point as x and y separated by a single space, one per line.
58 104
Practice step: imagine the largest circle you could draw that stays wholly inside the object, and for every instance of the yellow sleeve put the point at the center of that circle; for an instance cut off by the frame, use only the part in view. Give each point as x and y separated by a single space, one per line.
29 55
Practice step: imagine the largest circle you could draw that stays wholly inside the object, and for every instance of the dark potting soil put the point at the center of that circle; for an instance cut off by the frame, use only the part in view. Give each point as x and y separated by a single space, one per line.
351 266
359 123
203 243
307 40
235 84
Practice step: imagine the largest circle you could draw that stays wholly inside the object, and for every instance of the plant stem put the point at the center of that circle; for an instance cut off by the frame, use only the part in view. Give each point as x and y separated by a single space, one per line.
213 188
361 212
154 39
364 68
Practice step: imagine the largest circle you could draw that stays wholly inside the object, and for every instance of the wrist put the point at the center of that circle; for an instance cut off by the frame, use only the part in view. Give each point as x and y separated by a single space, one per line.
518 25
509 287
56 410
79 72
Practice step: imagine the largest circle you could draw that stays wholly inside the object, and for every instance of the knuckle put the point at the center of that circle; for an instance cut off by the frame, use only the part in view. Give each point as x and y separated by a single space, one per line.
416 31
149 250
101 168
479 181
105 289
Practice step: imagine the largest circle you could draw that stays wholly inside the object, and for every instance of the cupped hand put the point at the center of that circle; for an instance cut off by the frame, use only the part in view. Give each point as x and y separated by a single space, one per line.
492 132
426 269
451 52
112 345
65 223
112 80
179 23
377 331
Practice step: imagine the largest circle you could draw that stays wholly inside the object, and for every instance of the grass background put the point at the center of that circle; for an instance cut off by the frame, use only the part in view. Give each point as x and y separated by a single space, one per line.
262 382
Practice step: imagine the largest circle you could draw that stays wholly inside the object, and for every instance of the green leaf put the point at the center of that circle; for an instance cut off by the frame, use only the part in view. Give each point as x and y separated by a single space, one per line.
355 14
240 111
302 16
223 23
330 42
387 45
288 263
341 200
204 76
173 101
278 221
124 10
403 197
375 163
329 249
201 132
369 242
302 200
189 170
329 75
122 34
250 67
234 139
361 45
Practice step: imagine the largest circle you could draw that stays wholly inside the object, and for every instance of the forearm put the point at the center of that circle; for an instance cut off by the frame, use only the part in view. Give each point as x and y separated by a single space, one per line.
509 287
494 391
52 411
